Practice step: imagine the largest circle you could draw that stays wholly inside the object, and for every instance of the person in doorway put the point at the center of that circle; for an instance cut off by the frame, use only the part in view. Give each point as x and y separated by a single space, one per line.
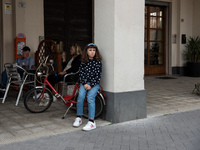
71 67
90 75
25 60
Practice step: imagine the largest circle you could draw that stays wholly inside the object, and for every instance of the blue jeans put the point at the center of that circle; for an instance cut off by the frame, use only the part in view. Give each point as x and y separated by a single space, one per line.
91 94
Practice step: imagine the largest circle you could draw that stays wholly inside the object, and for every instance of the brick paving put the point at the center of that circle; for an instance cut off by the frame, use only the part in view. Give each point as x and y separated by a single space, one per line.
172 123
179 131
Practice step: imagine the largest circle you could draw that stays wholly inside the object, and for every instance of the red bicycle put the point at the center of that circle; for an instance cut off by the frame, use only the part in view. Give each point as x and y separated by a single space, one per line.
40 98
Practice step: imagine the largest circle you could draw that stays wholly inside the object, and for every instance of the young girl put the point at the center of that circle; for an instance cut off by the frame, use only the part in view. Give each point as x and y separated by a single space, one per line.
90 74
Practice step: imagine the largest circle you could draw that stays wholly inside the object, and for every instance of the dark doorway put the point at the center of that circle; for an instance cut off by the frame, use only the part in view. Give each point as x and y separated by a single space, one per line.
68 22
1 38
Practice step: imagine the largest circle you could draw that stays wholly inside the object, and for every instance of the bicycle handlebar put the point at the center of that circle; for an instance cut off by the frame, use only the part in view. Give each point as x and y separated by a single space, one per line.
45 64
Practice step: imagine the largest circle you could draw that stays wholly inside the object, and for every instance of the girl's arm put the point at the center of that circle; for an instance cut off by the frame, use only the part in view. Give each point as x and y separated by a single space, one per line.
82 77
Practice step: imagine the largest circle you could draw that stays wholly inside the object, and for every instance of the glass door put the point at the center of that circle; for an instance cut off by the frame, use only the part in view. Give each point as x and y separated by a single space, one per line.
155 40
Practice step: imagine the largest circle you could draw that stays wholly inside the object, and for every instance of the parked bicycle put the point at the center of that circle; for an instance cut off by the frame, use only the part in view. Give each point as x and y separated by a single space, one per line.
40 98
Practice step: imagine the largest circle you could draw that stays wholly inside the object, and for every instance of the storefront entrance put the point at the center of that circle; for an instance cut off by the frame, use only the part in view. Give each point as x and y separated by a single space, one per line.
155 40
68 22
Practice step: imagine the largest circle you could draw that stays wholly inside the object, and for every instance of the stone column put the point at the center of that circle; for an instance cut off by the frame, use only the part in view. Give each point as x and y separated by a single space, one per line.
119 34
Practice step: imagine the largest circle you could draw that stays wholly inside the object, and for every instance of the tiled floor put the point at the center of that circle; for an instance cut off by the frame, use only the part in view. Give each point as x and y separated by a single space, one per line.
164 96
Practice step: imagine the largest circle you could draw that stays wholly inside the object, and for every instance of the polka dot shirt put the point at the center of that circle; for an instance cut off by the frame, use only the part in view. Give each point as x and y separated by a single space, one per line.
90 72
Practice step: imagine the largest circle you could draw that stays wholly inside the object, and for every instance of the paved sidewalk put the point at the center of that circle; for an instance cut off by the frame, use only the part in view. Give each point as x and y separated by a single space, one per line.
167 96
180 131
164 97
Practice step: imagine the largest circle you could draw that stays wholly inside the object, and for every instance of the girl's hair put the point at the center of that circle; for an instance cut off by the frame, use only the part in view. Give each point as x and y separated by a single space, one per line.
77 49
85 57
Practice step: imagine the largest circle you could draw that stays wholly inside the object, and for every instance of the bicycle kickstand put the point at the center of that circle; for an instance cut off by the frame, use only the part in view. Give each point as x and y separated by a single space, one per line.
67 110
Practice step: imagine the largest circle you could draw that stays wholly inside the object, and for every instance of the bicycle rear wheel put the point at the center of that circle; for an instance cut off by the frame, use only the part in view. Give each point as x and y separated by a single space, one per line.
36 102
99 105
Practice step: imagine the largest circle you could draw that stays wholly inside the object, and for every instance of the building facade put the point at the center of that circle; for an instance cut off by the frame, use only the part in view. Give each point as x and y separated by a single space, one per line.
135 37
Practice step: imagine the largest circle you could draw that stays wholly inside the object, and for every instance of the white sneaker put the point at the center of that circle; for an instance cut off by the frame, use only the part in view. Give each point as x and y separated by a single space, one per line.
43 104
46 96
89 126
54 99
77 122
45 100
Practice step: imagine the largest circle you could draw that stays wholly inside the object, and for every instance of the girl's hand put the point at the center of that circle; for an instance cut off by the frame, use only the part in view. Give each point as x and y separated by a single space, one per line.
87 87
62 73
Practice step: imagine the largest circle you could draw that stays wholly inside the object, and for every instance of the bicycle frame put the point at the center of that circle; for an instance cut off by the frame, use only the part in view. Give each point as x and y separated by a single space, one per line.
67 98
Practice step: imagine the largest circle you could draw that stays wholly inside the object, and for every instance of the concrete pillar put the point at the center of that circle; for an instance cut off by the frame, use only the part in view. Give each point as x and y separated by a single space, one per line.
119 34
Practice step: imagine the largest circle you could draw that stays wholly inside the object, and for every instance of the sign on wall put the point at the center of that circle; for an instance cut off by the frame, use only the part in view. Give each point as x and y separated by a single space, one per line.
20 43
8 8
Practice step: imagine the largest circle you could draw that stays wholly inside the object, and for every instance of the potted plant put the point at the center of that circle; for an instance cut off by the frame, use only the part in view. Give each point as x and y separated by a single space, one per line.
192 56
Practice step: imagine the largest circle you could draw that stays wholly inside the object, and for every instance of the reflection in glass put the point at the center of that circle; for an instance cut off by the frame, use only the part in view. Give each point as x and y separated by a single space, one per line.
145 47
156 59
155 22
156 47
146 10
145 34
145 22
156 35
156 11
145 59
145 51
160 59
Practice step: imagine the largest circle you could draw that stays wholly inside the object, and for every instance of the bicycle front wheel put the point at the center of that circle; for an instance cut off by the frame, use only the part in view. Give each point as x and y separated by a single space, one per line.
36 102
99 105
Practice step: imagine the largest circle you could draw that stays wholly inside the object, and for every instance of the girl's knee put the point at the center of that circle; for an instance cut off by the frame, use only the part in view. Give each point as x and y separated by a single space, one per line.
91 99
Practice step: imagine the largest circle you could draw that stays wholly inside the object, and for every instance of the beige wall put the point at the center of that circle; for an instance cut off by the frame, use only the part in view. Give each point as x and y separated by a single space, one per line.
186 13
120 36
175 31
28 20
196 20
8 35
182 23
181 10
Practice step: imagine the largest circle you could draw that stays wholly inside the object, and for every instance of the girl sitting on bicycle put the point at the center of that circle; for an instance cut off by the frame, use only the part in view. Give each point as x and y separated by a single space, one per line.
90 75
